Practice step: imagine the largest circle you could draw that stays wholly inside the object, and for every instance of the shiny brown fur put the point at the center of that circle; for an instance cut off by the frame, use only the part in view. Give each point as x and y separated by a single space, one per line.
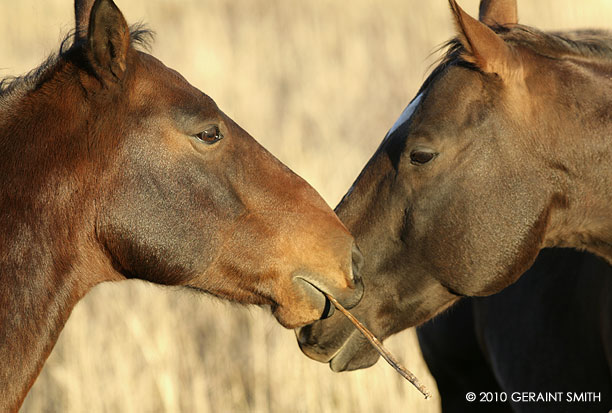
508 151
105 177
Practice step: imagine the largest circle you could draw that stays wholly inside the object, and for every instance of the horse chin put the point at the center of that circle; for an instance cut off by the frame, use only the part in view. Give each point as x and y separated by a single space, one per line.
356 353
344 349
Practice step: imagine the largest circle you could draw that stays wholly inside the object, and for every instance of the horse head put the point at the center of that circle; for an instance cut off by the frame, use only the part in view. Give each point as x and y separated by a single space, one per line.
505 150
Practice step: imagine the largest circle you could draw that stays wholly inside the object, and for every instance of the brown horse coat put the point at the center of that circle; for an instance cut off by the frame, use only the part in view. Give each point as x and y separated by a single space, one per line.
113 166
505 150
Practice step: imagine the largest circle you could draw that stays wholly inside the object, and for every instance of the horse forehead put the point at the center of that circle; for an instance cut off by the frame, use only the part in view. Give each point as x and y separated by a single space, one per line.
406 114
163 84
460 99
446 98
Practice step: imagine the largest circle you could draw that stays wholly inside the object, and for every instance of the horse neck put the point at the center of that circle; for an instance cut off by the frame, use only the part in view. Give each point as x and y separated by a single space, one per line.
36 300
584 165
48 254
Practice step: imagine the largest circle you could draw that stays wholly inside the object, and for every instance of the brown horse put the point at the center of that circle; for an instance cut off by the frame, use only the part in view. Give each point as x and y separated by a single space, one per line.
114 167
506 150
543 334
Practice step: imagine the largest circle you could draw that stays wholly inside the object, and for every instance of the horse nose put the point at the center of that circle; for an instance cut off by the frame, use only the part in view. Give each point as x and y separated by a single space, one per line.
351 297
352 300
358 261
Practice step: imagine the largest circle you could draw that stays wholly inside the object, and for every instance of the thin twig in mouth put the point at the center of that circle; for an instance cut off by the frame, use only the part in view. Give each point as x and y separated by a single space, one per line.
382 350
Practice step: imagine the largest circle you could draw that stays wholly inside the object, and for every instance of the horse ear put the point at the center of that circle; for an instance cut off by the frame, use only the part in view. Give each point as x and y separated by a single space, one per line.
483 46
82 8
108 39
498 12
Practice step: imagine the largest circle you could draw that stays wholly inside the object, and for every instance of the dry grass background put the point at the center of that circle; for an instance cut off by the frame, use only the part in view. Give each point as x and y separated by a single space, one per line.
318 82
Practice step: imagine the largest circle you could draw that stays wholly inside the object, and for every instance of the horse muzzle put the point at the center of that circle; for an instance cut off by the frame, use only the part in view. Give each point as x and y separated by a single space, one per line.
310 287
337 342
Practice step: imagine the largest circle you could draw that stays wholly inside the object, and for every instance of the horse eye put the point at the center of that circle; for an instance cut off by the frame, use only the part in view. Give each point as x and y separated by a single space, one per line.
421 157
210 135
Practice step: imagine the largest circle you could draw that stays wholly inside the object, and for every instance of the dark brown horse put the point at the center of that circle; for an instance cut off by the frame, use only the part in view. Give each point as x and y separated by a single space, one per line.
114 167
543 334
506 150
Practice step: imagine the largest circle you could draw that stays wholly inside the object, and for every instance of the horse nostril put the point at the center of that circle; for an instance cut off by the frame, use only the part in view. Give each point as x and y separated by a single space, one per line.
358 260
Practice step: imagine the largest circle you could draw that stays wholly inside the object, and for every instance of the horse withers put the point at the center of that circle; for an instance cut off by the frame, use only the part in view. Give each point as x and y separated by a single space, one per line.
114 167
505 150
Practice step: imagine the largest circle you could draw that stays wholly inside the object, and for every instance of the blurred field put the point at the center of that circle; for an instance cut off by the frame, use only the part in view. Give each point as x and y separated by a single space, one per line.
318 83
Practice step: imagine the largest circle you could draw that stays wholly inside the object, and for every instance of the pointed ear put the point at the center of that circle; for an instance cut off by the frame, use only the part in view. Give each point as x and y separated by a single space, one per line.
498 12
483 46
108 39
82 8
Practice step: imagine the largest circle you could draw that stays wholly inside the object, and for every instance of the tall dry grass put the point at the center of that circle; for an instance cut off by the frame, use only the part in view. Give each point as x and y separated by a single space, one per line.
318 83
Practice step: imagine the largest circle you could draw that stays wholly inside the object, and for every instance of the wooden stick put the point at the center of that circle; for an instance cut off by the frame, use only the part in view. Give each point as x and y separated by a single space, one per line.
382 350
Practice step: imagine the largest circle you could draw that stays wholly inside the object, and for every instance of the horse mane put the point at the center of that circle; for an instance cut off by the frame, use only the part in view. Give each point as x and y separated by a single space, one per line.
141 38
589 44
